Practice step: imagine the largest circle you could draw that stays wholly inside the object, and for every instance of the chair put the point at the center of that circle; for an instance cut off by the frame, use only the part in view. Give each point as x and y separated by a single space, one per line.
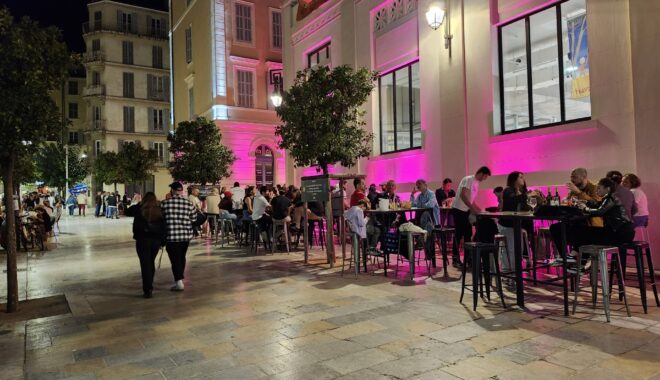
599 254
281 228
482 254
641 249
443 235
404 238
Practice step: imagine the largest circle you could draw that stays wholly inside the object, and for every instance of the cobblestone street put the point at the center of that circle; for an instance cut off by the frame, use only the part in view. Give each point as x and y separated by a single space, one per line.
251 317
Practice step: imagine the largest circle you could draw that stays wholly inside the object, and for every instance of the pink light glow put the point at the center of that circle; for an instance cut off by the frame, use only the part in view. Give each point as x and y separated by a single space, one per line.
408 169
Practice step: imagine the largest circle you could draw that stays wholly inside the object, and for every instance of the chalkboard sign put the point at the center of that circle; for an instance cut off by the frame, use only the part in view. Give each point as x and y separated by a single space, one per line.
315 190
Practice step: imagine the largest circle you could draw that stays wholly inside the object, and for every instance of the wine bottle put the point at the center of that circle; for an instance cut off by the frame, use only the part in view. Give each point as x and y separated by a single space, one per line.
557 199
549 197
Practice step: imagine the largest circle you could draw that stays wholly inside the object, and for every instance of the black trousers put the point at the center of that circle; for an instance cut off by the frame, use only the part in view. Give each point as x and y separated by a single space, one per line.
176 251
578 235
463 230
147 250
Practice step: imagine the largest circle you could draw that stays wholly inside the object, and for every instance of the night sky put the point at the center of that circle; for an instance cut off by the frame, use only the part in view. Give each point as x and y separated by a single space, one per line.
67 15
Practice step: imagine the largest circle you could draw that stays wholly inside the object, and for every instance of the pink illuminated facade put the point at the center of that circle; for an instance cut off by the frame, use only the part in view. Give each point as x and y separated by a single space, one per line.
541 86
226 58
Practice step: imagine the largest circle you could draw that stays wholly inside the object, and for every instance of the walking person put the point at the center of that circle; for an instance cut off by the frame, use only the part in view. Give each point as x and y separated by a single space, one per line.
81 198
149 232
97 202
71 204
179 215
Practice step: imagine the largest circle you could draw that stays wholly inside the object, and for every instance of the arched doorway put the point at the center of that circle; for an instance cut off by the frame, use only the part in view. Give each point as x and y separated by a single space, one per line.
264 163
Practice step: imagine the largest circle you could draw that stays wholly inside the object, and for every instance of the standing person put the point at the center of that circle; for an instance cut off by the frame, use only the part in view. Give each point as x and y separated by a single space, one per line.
82 203
359 193
238 195
194 199
104 202
463 205
111 209
149 232
179 215
71 203
212 208
641 217
98 200
260 209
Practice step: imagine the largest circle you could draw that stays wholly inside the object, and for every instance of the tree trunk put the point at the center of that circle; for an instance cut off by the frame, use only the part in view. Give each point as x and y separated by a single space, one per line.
12 277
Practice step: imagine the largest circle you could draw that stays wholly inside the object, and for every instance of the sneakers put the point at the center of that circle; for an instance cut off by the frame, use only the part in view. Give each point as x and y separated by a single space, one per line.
147 294
571 259
178 286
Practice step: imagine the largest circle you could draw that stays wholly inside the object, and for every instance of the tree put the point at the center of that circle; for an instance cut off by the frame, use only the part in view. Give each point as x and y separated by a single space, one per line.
32 64
199 155
322 119
107 170
51 165
136 163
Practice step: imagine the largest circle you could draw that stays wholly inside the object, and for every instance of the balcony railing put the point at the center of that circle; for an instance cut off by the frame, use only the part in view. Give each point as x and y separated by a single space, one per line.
94 90
159 33
93 56
97 125
157 95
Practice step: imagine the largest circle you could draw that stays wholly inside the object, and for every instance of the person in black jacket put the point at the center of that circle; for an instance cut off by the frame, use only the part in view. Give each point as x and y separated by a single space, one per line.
618 229
149 232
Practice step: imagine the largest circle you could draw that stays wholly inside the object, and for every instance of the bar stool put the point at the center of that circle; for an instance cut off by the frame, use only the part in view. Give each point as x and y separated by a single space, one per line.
599 254
641 249
319 238
406 235
255 233
222 229
444 235
482 254
281 228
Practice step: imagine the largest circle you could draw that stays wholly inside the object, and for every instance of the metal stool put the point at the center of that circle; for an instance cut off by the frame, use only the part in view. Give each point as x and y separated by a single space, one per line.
599 254
313 225
283 230
409 238
481 253
443 235
222 229
641 249
255 232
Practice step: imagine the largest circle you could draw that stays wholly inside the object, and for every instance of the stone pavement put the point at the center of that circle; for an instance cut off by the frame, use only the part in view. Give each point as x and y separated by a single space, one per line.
246 317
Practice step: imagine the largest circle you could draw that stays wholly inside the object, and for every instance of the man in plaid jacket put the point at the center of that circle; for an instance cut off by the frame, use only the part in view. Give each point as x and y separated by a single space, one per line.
179 214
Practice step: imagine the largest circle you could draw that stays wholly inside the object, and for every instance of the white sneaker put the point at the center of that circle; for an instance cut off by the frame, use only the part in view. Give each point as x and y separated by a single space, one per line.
178 286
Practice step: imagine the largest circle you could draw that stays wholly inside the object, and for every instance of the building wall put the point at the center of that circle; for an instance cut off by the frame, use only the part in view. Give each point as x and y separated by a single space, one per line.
460 93
212 75
108 63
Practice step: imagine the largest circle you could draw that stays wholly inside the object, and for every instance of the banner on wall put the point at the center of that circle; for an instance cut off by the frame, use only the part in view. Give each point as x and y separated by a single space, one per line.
305 7
579 47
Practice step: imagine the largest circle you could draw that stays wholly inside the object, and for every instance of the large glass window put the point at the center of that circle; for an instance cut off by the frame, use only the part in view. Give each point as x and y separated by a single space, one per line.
320 56
400 126
544 70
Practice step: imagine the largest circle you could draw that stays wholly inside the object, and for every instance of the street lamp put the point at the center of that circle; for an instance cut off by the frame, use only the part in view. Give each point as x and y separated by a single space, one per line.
435 16
275 79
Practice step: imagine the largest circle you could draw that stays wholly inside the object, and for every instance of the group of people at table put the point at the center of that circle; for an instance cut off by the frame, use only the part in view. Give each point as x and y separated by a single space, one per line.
612 208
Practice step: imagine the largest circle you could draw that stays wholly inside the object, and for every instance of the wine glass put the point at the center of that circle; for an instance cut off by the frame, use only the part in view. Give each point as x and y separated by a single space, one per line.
531 201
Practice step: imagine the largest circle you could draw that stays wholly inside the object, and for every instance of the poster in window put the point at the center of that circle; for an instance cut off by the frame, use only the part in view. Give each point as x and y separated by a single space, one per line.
578 43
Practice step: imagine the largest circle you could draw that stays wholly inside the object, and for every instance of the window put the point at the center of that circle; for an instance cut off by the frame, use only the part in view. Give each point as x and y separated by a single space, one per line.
96 113
533 51
73 87
129 119
73 137
127 52
73 110
400 117
157 57
244 22
98 19
156 27
276 30
320 56
97 148
96 78
156 120
96 45
126 22
129 90
189 44
245 88
157 87
159 148
191 103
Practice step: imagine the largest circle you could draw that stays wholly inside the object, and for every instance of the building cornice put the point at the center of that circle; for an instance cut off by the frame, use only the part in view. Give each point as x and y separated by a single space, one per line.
124 5
325 17
242 61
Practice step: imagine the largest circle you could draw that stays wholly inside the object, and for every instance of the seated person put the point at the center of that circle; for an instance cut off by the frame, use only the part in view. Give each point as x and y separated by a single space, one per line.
618 229
443 194
362 226
281 206
226 207
641 216
390 192
261 209
425 199
315 211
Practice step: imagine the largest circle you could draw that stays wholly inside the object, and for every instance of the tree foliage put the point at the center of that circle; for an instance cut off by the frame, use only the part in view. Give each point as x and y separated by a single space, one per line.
51 165
134 163
322 119
198 153
32 64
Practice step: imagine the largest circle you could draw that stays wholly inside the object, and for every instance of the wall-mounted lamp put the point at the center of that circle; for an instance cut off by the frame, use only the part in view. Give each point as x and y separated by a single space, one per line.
276 81
435 16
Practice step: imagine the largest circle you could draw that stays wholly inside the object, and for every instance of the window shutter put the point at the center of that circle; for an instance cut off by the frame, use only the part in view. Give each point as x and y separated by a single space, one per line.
134 19
150 29
150 117
150 89
119 17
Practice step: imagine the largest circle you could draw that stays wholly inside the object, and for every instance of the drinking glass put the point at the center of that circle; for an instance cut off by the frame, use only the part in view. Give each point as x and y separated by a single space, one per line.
531 201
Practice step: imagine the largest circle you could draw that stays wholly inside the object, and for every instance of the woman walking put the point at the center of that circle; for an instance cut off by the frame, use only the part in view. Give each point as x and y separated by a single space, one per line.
149 232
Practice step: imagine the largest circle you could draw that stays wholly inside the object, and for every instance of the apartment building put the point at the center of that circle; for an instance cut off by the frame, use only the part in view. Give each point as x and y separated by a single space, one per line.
69 100
226 62
127 86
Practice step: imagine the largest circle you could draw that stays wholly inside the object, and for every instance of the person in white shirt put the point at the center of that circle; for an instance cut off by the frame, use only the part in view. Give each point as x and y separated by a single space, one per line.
463 205
194 199
260 208
81 198
238 194
641 217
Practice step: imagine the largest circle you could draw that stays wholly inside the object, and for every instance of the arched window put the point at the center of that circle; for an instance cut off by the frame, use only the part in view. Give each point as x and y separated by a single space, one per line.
264 166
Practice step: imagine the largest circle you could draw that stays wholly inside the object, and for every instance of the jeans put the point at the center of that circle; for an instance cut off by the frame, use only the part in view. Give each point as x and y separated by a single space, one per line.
578 235
111 211
641 221
98 210
176 251
147 250
224 214
71 209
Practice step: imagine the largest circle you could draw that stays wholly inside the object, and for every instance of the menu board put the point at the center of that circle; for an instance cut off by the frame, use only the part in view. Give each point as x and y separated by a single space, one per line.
315 190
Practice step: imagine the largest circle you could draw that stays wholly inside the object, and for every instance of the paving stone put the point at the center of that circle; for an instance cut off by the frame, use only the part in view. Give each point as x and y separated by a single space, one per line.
358 360
90 353
187 357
